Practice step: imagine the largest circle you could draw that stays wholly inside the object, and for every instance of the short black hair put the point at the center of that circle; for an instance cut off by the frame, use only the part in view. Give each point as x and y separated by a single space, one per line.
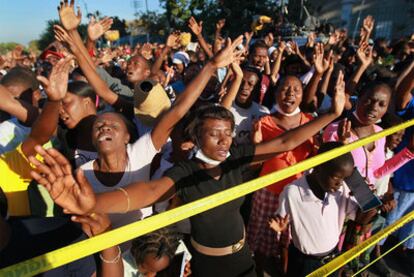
21 76
208 111
338 162
258 44
162 242
372 85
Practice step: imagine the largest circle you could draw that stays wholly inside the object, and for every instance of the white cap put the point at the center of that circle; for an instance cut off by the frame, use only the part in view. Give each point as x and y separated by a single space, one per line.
271 50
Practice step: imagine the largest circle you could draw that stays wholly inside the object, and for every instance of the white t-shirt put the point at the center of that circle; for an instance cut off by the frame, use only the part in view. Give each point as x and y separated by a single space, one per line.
244 119
316 224
140 155
12 133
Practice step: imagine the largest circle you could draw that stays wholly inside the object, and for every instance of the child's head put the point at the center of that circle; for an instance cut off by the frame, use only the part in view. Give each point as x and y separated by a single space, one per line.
330 175
389 120
153 252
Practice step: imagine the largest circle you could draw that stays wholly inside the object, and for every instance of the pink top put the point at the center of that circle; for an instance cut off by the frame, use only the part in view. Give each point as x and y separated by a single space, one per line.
377 165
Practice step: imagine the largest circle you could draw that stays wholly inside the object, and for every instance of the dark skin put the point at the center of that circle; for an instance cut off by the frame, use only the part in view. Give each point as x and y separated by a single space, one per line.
164 126
45 126
370 108
321 181
77 196
289 97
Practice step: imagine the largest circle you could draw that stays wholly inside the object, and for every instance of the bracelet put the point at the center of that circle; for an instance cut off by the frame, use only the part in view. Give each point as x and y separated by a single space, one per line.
114 260
127 197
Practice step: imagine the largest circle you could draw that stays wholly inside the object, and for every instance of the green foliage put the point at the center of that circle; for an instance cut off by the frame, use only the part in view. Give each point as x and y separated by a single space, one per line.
48 36
7 46
152 22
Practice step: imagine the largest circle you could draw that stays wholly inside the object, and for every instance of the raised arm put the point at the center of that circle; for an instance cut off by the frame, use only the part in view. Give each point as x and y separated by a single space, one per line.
181 106
321 64
75 194
24 112
173 41
71 37
276 65
364 55
403 92
96 29
293 138
228 99
197 29
56 88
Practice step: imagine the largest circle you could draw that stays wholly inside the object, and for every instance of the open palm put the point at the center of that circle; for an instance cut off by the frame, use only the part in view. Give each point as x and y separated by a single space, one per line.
67 15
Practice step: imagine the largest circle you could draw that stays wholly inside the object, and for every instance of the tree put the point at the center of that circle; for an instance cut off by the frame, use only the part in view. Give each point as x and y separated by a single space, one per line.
152 22
7 47
48 36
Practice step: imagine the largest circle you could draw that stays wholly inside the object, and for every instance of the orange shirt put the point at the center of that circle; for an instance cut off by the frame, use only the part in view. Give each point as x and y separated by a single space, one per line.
270 130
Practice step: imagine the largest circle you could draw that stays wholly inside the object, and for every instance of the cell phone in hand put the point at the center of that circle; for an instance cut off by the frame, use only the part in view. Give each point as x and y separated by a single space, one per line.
364 196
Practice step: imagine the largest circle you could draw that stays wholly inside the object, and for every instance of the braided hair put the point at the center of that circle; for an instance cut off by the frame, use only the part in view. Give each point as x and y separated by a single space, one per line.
162 242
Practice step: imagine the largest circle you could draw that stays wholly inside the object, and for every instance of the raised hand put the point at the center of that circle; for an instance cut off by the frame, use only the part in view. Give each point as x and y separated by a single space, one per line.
93 224
344 131
339 95
229 53
282 47
333 39
62 36
311 39
278 223
321 63
364 54
173 40
269 39
220 24
67 15
73 193
368 24
96 29
195 27
146 51
257 136
57 84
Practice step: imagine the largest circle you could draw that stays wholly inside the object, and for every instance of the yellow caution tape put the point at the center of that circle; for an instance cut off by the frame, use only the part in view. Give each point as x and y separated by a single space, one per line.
351 254
92 245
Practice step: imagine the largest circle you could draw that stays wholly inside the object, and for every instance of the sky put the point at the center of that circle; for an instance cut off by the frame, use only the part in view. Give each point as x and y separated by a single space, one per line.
24 20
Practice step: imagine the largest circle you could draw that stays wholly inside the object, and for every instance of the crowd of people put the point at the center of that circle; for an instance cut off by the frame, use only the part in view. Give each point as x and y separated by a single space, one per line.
94 139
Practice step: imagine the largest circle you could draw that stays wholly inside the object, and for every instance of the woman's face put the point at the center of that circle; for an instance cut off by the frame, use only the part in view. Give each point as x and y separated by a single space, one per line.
110 134
151 265
216 138
74 108
289 94
372 105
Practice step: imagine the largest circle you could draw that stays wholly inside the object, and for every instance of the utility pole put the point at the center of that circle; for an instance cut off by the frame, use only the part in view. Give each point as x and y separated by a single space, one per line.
146 7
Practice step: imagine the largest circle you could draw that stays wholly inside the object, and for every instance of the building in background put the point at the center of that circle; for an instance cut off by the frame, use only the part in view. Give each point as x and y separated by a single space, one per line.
393 18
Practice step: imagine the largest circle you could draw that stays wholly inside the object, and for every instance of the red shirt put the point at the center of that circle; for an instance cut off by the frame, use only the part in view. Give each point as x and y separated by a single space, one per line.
270 130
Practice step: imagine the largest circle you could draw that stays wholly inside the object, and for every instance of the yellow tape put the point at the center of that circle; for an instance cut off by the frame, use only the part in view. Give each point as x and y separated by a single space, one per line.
351 254
90 246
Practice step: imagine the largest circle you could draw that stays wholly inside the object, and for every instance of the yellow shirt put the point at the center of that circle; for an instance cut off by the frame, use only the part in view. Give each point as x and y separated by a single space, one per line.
14 179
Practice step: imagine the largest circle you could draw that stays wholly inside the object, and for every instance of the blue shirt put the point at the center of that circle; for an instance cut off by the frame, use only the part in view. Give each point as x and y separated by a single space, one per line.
404 177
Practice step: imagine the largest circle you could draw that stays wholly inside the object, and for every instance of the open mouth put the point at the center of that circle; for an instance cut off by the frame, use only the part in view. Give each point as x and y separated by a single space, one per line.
289 103
104 137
